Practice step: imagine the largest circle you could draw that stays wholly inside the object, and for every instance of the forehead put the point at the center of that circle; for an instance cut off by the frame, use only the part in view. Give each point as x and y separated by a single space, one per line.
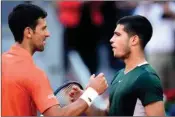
41 22
120 28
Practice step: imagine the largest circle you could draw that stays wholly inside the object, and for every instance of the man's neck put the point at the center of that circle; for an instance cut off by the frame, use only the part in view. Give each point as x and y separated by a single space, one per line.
133 61
26 47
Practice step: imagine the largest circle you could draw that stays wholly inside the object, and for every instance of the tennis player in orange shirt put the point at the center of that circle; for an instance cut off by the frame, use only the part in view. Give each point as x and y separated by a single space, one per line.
25 88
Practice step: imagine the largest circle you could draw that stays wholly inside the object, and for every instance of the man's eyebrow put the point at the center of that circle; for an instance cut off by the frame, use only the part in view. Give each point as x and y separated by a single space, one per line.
117 33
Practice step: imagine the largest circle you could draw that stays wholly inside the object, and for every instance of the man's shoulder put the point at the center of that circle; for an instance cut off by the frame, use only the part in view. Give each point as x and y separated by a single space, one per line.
34 69
149 78
33 74
148 71
5 55
145 71
29 70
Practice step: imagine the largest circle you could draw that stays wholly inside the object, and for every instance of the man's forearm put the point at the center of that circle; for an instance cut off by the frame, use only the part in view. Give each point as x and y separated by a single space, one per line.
74 109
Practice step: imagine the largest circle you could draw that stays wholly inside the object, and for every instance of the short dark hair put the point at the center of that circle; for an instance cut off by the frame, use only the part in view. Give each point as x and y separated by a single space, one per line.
22 16
137 25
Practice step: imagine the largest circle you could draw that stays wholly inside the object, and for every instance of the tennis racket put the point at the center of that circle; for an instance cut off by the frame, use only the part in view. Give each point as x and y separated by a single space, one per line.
62 92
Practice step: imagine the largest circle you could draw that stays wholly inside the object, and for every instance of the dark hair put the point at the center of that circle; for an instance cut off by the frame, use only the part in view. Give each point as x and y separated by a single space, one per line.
137 25
22 16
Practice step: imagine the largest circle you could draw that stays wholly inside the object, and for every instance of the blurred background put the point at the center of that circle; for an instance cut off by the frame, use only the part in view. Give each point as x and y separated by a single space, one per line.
79 42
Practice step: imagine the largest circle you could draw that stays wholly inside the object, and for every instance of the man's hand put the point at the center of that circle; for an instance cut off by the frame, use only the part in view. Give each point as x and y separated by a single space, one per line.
98 83
75 93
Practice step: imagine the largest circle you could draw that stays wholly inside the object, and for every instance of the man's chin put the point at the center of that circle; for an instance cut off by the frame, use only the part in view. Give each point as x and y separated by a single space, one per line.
117 56
40 49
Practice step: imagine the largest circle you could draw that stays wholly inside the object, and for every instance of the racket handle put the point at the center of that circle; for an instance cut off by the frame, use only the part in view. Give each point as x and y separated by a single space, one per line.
89 95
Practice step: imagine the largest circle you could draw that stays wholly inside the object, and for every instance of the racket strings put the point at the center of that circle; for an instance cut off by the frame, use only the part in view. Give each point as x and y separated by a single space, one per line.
63 95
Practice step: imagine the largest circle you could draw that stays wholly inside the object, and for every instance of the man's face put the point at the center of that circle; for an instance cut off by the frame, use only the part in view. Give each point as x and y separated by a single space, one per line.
120 43
39 35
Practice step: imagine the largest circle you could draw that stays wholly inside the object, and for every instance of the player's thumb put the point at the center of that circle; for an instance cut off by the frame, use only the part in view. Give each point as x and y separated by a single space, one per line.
92 77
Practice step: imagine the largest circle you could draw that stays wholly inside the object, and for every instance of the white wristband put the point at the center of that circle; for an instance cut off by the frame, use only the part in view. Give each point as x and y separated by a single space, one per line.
89 95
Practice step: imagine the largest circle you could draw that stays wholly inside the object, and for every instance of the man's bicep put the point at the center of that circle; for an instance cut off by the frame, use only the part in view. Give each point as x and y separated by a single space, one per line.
41 91
155 109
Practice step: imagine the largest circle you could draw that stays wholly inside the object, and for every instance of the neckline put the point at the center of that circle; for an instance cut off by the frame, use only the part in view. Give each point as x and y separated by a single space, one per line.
139 65
145 62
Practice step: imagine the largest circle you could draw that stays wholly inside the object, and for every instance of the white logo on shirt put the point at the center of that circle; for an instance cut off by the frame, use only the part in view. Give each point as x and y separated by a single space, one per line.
51 96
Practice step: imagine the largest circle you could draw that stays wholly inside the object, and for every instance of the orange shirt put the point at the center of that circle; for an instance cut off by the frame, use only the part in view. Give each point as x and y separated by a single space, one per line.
25 88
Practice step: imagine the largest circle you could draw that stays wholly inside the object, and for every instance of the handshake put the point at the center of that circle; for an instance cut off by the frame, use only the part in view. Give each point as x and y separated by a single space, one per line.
96 86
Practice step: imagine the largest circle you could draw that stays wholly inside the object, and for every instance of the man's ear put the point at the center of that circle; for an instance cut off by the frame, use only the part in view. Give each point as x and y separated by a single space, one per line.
28 32
134 40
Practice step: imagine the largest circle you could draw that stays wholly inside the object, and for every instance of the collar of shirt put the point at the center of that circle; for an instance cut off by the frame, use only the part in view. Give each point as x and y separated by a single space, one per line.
19 51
